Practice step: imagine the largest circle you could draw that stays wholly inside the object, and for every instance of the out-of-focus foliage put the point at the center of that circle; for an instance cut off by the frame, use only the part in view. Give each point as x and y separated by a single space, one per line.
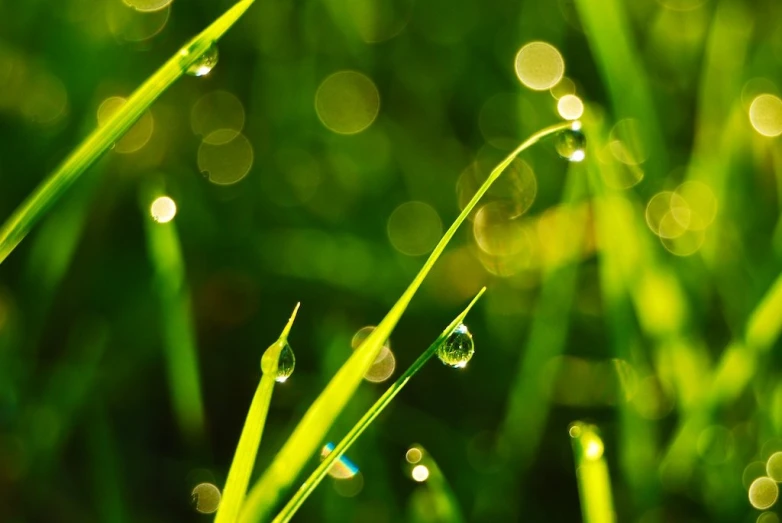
319 161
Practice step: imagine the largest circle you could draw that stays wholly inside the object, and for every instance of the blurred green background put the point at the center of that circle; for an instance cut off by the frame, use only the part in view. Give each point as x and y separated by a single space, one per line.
130 350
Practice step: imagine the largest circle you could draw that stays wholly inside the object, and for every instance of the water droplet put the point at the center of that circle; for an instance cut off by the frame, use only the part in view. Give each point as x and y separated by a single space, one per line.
571 144
285 364
205 62
458 348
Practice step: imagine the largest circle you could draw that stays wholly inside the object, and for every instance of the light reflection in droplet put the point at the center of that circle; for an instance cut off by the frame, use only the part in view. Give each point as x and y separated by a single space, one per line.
347 102
205 62
420 473
163 209
539 66
215 111
414 228
206 497
763 493
137 136
765 115
571 143
570 107
227 163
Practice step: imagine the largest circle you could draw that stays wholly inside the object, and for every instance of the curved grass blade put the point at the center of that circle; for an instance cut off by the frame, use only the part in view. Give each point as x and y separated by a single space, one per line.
594 483
250 439
176 318
317 476
46 194
311 430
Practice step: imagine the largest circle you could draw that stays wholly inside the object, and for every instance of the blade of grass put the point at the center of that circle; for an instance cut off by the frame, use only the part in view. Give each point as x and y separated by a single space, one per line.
594 483
608 32
734 372
309 433
46 194
434 500
250 439
317 476
176 318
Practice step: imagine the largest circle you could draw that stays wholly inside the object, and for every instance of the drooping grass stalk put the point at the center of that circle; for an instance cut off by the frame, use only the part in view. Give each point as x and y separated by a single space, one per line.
309 434
46 194
594 483
176 318
250 439
317 476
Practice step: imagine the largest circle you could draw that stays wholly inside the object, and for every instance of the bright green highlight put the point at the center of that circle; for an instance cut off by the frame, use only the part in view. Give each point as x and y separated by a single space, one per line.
46 194
311 431
179 338
594 483
250 439
317 476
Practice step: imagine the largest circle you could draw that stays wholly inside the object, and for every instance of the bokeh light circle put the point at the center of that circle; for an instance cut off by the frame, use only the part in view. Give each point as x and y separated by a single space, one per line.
347 102
206 497
539 66
765 115
228 162
147 5
217 111
570 107
763 493
774 467
414 228
163 209
137 136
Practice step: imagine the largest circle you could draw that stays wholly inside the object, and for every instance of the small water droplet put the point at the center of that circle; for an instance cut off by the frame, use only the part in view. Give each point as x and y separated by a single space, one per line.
458 348
571 144
205 62
285 364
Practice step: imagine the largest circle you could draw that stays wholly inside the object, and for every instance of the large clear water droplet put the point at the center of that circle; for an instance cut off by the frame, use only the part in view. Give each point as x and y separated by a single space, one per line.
458 348
285 364
571 144
205 62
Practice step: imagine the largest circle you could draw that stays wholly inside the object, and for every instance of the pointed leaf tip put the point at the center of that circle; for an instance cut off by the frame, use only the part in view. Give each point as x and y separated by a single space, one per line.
287 329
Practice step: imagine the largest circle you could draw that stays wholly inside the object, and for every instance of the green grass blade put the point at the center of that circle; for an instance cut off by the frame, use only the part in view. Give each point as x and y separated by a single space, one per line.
594 483
46 194
250 439
317 476
609 33
179 339
309 433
